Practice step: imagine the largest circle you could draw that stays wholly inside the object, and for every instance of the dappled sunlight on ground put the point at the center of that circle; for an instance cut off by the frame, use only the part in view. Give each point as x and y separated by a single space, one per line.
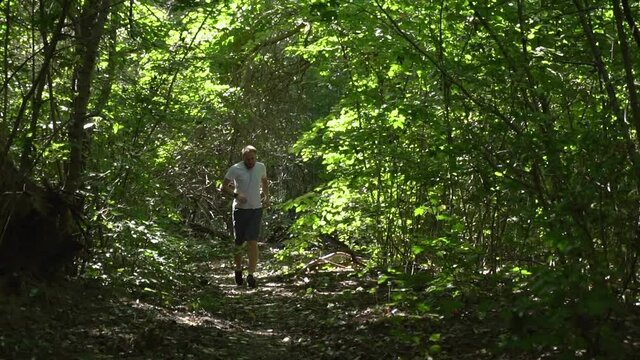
324 314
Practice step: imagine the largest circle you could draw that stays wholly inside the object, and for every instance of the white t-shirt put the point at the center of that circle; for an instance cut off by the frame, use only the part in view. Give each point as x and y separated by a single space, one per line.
247 182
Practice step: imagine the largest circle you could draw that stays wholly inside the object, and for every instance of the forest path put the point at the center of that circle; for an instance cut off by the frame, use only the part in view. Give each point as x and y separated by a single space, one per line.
312 316
202 314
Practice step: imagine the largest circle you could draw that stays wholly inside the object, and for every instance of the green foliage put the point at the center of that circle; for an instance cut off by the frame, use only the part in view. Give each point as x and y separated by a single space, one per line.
472 144
454 145
561 309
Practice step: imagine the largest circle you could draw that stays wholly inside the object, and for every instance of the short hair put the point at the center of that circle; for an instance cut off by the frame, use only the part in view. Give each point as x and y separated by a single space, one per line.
248 149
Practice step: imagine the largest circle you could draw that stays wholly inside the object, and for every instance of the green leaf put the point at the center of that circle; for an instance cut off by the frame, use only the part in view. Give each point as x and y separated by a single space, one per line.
435 349
396 119
383 279
117 127
421 210
417 249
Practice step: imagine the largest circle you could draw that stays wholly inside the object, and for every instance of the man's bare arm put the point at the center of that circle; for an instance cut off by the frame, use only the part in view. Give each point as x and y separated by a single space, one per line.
226 187
265 192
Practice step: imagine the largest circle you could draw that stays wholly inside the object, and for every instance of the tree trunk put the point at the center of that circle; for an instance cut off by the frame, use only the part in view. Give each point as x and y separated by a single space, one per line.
5 63
89 32
628 68
614 104
39 80
26 161
38 225
630 20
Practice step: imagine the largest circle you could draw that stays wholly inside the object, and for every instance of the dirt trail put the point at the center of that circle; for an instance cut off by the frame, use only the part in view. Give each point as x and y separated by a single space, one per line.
191 309
302 317
322 316
199 313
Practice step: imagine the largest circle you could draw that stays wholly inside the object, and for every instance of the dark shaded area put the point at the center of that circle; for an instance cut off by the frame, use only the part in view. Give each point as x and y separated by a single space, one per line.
327 314
37 228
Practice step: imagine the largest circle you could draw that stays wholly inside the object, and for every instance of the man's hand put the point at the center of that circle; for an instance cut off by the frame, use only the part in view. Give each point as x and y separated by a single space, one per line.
265 202
241 198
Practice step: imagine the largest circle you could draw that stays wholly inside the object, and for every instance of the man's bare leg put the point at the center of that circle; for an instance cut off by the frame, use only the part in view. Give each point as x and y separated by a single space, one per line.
252 250
238 256
238 260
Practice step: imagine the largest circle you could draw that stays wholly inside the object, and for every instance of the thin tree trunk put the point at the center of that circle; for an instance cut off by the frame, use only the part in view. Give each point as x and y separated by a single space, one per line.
39 79
632 23
5 89
26 160
109 73
476 100
635 106
89 32
628 68
36 101
515 66
609 86
613 100
446 96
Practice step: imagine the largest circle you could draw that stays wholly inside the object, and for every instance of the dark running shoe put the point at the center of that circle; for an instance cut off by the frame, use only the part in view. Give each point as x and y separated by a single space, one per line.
238 274
251 281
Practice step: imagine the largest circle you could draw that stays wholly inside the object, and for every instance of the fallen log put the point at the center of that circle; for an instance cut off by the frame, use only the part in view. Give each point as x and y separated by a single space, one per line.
338 259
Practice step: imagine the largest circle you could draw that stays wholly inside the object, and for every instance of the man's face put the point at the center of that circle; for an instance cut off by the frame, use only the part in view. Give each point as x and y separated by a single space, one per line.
249 159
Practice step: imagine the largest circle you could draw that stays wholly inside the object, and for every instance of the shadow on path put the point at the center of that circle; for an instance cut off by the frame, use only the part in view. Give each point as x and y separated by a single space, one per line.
325 315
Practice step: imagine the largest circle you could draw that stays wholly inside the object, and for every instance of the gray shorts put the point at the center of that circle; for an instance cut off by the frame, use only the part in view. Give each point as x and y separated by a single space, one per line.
246 225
